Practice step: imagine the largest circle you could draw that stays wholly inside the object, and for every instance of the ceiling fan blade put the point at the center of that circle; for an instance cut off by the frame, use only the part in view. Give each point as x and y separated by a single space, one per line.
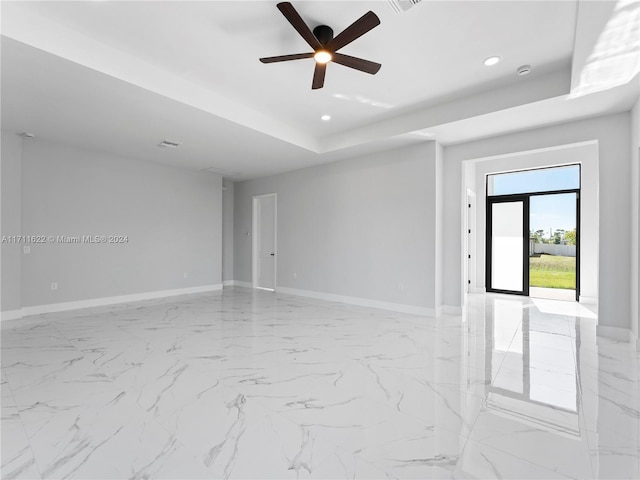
357 63
296 21
286 58
318 76
358 28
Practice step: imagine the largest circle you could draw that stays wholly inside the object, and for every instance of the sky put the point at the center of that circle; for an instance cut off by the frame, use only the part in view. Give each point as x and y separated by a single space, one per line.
552 212
546 211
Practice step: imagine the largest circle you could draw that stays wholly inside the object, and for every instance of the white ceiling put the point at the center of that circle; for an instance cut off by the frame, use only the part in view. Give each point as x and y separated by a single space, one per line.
120 76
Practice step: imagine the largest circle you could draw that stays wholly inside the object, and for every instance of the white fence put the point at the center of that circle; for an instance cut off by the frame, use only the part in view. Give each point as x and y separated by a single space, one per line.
553 249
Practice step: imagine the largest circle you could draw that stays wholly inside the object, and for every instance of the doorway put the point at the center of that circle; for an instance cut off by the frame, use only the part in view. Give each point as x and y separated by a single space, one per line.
533 233
264 241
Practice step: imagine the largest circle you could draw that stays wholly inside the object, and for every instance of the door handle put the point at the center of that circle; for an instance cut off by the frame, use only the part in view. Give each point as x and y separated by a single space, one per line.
273 254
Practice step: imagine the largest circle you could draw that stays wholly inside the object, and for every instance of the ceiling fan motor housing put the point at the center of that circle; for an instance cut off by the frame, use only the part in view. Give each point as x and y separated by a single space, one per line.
323 33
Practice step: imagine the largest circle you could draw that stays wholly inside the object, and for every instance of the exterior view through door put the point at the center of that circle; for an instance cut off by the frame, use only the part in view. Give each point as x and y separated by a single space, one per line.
533 233
264 241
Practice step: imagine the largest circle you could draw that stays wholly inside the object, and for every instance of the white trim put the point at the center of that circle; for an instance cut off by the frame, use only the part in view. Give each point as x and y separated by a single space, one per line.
452 310
533 150
478 290
11 315
237 283
588 300
100 302
615 333
363 302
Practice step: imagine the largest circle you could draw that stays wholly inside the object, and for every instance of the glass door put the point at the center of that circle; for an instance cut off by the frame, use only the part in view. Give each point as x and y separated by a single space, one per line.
554 259
508 244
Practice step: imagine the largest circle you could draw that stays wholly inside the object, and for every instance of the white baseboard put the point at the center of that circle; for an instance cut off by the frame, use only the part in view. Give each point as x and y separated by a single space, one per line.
477 290
616 333
588 300
11 315
452 310
100 302
237 283
363 302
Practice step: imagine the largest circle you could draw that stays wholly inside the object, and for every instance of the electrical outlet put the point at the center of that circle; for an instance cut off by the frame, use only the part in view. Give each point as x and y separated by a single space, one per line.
54 286
26 249
186 275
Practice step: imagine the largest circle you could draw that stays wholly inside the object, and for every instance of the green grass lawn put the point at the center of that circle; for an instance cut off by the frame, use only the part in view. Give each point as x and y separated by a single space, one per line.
550 271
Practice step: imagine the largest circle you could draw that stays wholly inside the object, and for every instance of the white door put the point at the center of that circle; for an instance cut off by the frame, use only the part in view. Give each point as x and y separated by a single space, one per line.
264 241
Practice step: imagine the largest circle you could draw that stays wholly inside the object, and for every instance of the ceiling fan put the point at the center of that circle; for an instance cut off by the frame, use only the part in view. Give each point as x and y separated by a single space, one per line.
325 45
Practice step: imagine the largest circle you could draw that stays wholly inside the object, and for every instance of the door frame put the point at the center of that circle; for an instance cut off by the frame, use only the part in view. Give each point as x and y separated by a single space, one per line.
255 256
524 198
526 226
470 243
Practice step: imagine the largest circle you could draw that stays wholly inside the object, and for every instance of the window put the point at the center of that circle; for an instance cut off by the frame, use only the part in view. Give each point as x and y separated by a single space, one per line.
530 181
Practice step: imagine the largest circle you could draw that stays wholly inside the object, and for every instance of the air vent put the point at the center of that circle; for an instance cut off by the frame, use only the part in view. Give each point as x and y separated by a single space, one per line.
401 6
168 144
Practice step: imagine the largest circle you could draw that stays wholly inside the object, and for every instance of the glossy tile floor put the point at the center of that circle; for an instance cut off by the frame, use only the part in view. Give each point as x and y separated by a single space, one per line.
243 384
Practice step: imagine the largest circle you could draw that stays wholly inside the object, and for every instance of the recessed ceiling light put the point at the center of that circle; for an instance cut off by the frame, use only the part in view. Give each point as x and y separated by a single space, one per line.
524 70
491 61
326 118
168 144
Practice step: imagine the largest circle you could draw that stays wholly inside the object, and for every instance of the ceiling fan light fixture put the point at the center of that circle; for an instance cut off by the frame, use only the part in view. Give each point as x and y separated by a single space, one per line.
322 56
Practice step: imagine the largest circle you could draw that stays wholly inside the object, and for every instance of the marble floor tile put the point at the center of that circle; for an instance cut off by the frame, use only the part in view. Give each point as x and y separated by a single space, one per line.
17 456
260 385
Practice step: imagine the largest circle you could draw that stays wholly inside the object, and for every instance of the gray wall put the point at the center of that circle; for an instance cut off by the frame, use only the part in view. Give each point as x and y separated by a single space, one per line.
614 141
361 228
172 217
11 178
227 231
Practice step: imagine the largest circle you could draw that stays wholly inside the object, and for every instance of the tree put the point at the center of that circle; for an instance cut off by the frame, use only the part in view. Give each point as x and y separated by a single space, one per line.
557 236
538 235
570 237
